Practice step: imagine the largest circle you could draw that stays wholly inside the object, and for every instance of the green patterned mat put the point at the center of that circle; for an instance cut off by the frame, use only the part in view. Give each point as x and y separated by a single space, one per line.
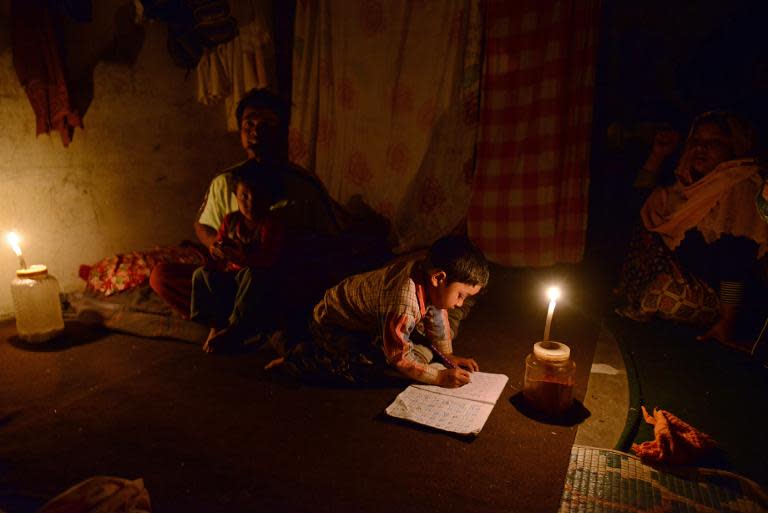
604 480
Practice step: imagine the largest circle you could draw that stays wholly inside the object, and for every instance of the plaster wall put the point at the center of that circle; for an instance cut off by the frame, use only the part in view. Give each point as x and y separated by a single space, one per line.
131 180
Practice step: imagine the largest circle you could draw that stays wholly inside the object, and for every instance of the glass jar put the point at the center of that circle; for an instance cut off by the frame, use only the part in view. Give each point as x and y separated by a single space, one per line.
549 378
36 301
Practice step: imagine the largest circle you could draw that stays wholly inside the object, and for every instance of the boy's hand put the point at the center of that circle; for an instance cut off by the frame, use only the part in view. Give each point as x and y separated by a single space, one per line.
228 250
217 250
452 378
465 363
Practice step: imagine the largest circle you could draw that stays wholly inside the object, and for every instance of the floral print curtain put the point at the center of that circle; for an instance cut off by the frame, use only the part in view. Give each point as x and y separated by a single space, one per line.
385 107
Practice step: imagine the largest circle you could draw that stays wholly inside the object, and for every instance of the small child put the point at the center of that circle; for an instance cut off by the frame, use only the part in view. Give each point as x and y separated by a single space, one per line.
230 292
374 319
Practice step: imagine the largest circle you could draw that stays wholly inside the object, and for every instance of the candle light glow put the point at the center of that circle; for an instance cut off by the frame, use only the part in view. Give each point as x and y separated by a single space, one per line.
14 241
553 293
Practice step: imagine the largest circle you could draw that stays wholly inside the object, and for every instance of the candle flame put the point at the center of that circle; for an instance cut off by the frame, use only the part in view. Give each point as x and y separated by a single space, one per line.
13 240
553 293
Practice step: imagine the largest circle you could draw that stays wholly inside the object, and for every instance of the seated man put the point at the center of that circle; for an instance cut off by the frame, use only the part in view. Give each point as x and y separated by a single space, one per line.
308 212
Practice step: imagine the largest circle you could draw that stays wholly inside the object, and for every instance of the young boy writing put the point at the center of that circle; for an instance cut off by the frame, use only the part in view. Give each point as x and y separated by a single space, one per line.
229 292
373 320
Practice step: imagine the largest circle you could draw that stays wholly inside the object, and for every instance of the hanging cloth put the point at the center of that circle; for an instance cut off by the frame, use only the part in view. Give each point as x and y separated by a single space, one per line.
228 71
193 26
38 59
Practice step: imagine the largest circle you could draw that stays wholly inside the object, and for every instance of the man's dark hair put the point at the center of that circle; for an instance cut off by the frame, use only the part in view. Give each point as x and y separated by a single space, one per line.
262 99
460 259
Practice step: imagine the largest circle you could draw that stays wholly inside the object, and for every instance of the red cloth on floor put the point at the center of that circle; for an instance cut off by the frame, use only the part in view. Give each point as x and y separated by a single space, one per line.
676 442
38 60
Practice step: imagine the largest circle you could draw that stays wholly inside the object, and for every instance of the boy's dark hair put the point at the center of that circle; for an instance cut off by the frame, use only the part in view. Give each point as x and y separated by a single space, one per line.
262 99
257 177
460 259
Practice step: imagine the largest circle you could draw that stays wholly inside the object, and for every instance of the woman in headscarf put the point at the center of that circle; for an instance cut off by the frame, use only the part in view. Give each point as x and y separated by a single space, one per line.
702 235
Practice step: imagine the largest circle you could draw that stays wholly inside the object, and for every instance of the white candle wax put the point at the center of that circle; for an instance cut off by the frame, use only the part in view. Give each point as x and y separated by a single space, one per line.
548 324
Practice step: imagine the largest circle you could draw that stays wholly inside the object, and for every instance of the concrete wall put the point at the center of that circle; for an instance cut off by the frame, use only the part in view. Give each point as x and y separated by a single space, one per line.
132 179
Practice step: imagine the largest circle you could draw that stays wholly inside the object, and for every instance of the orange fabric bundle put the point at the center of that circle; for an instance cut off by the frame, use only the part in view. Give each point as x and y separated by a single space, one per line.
676 442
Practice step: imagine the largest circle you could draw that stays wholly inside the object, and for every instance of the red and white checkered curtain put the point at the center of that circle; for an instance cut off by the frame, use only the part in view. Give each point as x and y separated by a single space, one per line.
529 200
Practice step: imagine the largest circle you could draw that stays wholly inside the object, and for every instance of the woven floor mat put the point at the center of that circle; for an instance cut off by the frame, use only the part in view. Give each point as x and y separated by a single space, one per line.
604 480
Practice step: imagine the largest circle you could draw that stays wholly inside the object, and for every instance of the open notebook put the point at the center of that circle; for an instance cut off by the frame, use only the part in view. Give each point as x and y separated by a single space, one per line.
461 410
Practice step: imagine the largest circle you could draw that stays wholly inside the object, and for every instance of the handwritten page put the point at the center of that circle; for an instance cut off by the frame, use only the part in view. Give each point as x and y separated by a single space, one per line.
461 410
484 387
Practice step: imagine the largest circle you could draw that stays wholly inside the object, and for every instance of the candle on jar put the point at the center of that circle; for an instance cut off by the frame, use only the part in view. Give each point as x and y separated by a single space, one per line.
553 293
35 295
13 240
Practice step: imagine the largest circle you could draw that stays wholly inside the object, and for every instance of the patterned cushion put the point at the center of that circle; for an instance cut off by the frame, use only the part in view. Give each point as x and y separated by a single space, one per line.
124 271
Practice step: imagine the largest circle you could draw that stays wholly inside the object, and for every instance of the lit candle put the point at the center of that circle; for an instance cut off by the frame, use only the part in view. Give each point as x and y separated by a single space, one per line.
13 240
553 293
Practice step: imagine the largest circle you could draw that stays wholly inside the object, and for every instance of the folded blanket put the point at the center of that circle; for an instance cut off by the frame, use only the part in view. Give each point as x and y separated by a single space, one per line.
137 312
676 442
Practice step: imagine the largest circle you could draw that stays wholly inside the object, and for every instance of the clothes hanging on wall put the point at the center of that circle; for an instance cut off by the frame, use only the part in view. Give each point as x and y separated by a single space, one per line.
227 72
193 26
38 60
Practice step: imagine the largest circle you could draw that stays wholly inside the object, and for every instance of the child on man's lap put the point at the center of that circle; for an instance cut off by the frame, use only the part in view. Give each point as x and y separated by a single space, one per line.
230 294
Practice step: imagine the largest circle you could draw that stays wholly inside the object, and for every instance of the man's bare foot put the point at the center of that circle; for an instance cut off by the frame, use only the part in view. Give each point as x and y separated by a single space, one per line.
222 340
275 364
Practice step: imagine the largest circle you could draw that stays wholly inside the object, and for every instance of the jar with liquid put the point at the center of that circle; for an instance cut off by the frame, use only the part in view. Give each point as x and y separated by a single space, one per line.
36 301
549 378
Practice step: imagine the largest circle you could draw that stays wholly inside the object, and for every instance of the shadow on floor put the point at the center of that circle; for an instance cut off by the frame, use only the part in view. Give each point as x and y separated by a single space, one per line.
575 415
74 334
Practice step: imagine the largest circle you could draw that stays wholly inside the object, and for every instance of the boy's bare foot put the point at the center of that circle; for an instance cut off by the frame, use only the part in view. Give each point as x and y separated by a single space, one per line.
222 340
211 333
275 364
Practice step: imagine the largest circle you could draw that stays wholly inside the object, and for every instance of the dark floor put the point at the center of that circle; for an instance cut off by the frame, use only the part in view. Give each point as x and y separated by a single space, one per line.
717 389
213 433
